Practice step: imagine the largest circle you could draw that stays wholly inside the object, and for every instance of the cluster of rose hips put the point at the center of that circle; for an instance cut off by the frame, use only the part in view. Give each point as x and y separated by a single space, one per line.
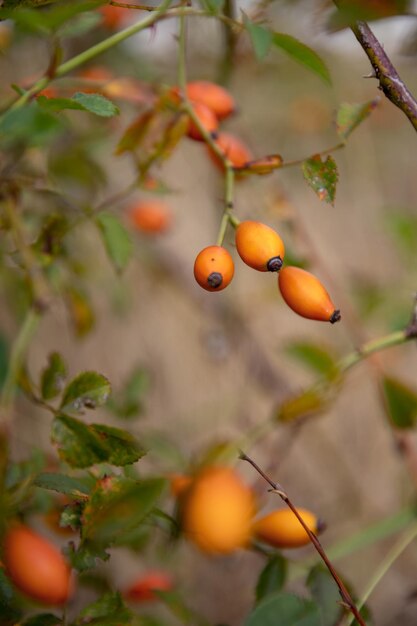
258 245
261 247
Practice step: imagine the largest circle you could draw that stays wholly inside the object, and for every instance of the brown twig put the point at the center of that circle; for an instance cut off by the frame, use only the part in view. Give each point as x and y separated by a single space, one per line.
389 79
278 489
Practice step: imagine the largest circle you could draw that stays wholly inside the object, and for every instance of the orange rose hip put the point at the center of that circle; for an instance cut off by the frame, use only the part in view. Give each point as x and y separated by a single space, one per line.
144 587
150 216
305 295
212 96
233 148
112 16
282 529
206 118
214 268
217 511
36 566
259 246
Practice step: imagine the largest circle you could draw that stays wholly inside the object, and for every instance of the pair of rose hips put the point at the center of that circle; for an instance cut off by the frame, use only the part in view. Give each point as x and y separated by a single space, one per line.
261 247
218 513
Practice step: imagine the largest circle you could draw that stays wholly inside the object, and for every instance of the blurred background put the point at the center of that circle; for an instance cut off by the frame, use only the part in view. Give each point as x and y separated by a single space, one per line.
214 366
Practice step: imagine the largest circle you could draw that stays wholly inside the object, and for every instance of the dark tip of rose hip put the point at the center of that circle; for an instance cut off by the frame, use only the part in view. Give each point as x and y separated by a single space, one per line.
274 264
336 317
215 280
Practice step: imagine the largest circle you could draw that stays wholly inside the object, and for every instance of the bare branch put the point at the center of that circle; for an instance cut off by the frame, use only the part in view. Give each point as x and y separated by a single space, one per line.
389 79
278 489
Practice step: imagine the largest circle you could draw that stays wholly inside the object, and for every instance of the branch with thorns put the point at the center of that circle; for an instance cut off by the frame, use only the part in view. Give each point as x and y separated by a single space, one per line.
347 601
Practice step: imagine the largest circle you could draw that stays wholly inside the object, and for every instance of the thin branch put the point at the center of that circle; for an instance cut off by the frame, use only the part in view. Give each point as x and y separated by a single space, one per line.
278 489
389 79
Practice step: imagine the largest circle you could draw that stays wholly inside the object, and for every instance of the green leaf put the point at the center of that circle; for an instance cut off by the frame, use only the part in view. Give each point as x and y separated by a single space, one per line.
96 103
88 390
116 239
46 21
89 102
349 116
83 445
29 126
62 484
42 619
303 54
109 610
322 176
78 445
85 556
326 594
260 36
53 376
284 609
55 105
313 356
400 402
272 578
123 448
27 19
117 505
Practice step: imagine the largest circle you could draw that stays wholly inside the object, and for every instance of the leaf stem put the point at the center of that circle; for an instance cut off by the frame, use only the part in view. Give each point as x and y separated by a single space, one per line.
370 347
338 146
